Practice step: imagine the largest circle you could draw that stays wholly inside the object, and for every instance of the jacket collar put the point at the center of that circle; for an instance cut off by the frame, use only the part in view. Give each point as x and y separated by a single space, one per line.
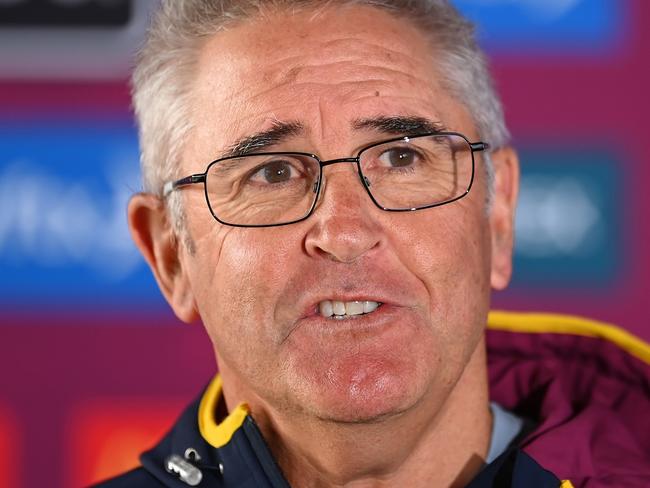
233 453
230 453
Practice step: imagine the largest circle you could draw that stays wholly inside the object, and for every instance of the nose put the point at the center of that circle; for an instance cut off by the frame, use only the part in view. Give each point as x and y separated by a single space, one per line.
345 223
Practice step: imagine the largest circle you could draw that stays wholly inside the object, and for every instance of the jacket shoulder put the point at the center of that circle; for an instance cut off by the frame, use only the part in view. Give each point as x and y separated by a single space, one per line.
138 477
585 385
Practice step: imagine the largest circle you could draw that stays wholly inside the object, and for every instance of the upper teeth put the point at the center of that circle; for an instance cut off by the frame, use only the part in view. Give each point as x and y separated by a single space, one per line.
328 308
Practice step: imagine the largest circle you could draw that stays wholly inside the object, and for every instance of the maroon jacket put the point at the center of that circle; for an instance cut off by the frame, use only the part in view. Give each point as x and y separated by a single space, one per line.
584 386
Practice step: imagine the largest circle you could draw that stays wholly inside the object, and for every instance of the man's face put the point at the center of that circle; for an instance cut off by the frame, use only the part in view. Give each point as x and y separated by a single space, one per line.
258 290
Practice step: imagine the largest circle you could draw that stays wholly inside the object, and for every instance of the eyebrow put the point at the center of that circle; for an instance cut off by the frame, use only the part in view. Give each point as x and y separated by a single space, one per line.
280 131
399 125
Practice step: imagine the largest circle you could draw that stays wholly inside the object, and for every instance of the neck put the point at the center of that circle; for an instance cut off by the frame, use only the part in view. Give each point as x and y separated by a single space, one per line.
439 442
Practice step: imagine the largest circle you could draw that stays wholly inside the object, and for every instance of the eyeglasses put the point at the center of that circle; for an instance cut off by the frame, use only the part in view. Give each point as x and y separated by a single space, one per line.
280 188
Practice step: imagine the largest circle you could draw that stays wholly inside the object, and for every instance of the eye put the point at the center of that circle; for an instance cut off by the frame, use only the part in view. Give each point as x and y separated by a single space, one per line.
274 172
399 157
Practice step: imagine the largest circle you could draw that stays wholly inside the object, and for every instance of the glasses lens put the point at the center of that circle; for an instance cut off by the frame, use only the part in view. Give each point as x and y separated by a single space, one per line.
262 190
418 171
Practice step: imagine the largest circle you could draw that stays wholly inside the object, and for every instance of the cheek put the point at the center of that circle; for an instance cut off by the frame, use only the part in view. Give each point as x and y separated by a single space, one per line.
450 246
450 255
240 285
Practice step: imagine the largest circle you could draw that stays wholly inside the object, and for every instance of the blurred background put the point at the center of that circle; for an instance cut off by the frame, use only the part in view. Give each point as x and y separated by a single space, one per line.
94 366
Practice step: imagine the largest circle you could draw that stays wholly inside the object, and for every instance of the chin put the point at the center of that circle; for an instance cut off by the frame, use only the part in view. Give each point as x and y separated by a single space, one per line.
356 374
362 390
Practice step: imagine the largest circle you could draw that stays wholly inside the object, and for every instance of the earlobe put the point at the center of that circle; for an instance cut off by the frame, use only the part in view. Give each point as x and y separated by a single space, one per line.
502 215
155 238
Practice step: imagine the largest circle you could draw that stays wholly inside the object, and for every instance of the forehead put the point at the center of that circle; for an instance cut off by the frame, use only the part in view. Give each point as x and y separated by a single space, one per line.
323 69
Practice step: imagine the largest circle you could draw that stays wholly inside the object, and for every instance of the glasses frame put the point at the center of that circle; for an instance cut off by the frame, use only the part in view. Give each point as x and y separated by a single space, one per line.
202 177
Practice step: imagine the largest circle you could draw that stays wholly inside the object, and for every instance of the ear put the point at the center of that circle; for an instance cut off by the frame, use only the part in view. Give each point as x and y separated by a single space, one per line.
154 236
502 214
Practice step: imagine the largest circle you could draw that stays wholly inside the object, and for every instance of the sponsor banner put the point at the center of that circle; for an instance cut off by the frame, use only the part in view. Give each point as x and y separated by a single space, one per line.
64 238
568 225
556 27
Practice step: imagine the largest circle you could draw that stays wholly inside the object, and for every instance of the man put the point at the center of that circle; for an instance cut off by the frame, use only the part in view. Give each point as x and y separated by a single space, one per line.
330 190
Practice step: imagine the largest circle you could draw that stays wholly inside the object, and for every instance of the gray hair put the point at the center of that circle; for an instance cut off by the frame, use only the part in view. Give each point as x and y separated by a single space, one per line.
161 84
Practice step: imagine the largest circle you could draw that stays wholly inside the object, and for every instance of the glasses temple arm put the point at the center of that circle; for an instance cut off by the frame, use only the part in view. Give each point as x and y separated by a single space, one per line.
170 186
479 146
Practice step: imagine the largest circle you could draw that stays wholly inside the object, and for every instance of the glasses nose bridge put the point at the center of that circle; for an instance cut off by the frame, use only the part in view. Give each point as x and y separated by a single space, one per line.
329 162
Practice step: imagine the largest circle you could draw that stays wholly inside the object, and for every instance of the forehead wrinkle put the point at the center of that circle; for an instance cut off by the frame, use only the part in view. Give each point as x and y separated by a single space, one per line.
348 88
379 78
353 71
355 68
344 51
361 50
356 51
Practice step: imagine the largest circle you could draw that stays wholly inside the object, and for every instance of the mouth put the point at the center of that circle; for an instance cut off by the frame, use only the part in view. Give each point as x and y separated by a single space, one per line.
340 310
